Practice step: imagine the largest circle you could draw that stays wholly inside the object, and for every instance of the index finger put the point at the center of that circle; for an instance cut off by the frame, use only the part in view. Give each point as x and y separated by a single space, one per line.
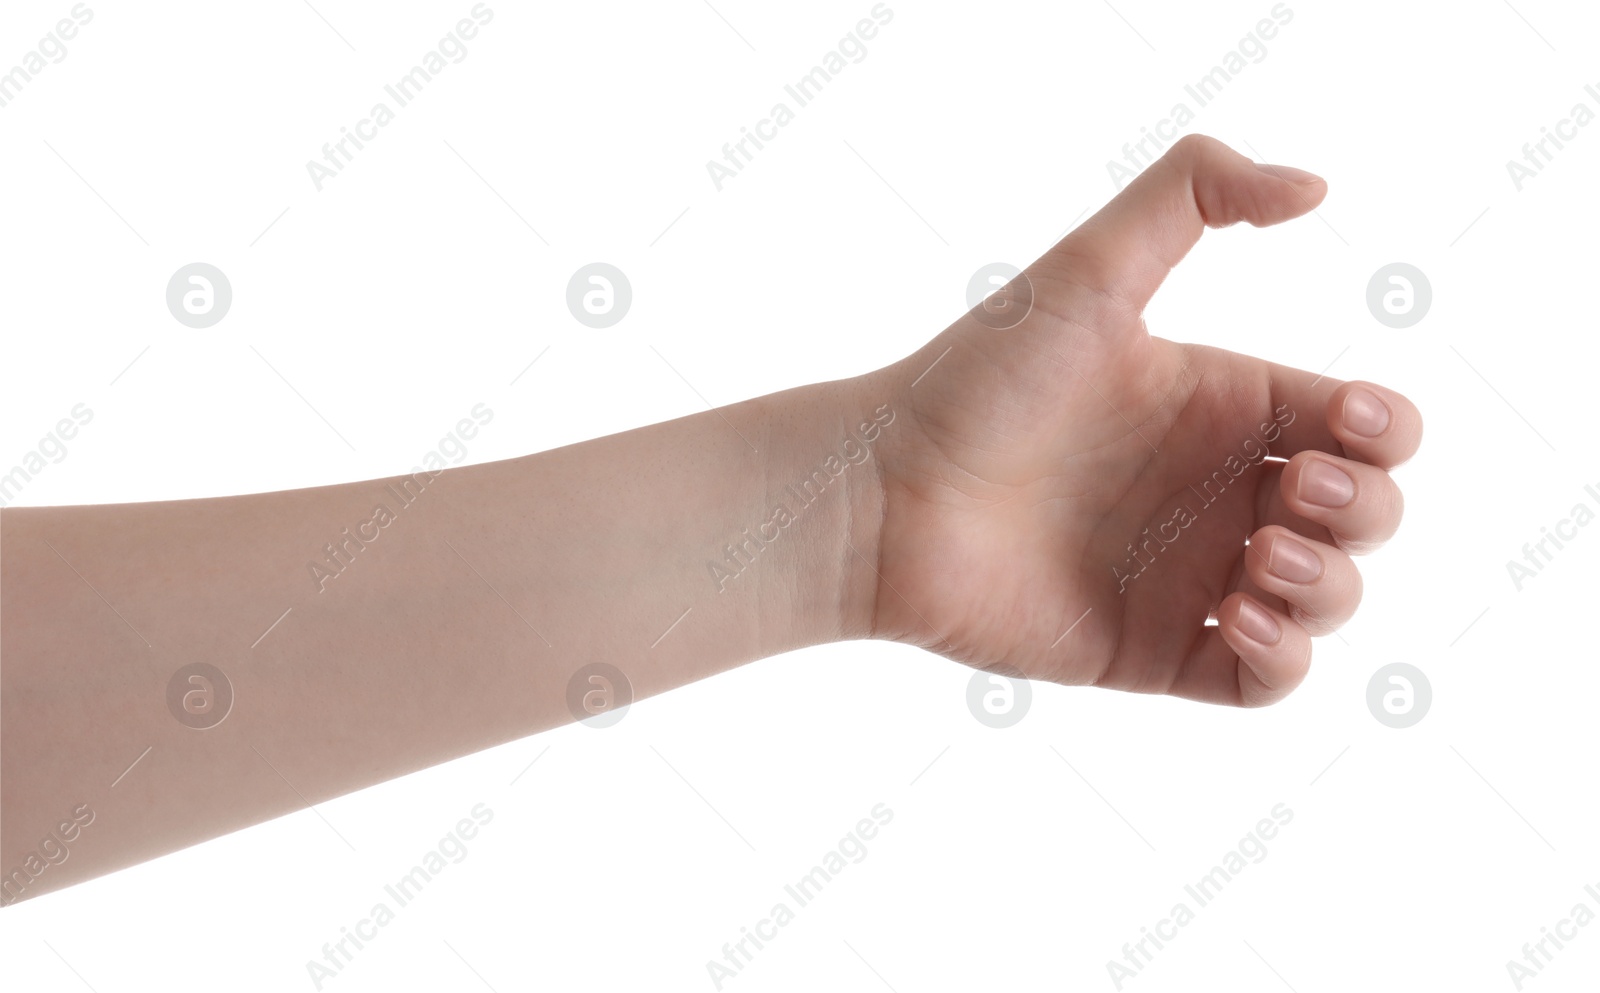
1354 420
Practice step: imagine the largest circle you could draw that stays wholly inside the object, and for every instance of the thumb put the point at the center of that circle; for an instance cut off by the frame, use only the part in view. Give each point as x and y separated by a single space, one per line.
1127 249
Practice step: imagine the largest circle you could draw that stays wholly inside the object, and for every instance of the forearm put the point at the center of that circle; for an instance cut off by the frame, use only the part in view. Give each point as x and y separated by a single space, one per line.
452 619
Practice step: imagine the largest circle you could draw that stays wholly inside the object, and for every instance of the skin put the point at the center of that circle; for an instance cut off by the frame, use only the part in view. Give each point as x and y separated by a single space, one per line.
984 491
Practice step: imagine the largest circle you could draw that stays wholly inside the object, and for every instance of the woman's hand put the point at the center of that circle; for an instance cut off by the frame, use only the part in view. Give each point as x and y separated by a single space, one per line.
1069 498
1057 495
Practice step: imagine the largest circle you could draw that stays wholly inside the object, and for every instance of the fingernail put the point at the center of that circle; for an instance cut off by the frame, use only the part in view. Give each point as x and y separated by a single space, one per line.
1365 414
1290 174
1325 485
1256 624
1290 560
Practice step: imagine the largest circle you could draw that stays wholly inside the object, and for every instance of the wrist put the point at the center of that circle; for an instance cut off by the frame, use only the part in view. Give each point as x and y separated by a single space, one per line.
824 496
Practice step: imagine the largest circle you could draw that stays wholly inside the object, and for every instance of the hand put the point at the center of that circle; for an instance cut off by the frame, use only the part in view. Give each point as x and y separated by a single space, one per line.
1074 472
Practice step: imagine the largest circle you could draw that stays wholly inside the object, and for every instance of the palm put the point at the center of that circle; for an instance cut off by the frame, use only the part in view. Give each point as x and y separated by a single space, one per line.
1079 489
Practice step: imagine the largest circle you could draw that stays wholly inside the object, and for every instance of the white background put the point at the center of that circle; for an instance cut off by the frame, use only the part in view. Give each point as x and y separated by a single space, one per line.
427 276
